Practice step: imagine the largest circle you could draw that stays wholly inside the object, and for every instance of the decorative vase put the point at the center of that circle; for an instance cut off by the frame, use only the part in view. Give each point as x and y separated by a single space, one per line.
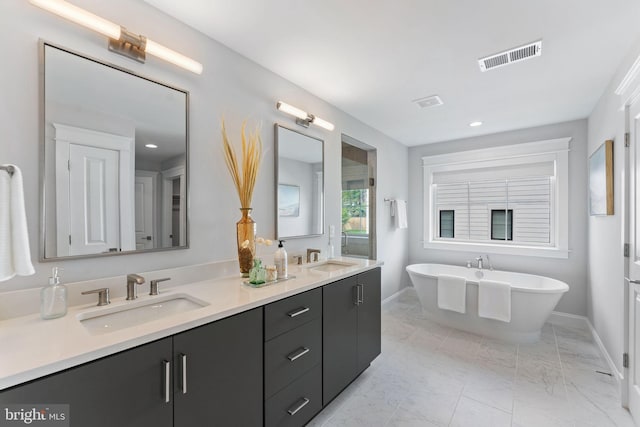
246 232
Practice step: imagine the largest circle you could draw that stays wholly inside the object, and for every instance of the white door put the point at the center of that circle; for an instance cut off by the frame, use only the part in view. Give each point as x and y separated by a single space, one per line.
94 206
144 212
634 261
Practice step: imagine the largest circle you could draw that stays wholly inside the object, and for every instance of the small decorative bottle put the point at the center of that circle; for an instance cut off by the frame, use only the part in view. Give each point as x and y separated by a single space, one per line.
257 275
53 298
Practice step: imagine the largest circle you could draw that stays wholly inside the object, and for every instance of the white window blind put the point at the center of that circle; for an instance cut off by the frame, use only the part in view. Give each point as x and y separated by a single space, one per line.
529 198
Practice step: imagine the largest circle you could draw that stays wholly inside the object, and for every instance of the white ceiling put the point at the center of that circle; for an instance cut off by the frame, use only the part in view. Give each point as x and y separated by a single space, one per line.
371 58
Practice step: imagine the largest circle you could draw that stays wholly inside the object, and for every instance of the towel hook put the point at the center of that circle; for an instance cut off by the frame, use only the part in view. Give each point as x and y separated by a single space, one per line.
10 169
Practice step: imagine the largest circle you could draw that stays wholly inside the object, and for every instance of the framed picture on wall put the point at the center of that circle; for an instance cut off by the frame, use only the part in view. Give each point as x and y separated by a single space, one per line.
601 180
288 200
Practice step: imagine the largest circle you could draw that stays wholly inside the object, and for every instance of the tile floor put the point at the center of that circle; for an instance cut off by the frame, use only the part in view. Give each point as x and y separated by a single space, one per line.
431 375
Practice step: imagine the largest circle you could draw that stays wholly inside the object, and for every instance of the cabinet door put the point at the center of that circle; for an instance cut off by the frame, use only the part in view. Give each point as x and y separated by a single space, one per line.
369 313
339 335
223 373
126 389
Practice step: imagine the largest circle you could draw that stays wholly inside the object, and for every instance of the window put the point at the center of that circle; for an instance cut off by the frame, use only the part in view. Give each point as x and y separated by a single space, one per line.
500 227
510 199
355 208
447 224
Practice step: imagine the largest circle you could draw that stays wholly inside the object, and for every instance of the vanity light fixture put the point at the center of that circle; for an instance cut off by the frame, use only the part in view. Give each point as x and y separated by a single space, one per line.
302 117
151 145
121 41
475 124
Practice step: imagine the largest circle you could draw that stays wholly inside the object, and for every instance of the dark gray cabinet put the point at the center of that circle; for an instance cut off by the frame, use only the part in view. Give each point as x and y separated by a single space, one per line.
124 390
351 330
292 359
214 374
218 373
276 365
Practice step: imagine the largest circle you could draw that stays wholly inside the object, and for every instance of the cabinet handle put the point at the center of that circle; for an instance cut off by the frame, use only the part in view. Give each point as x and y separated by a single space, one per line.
167 381
298 312
361 300
298 405
183 362
298 353
356 295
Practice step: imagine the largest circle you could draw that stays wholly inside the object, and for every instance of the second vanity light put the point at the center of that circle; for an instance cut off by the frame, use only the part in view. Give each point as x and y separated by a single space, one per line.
302 117
121 41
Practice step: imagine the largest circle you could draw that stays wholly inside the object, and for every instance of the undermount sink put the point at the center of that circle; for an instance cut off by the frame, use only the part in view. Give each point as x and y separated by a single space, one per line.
110 319
330 265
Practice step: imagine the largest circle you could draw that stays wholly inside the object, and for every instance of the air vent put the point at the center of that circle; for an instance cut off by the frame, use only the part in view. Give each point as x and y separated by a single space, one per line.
429 101
511 56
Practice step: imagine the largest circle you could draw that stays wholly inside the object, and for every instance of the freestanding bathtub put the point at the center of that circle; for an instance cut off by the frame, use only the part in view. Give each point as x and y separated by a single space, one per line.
533 298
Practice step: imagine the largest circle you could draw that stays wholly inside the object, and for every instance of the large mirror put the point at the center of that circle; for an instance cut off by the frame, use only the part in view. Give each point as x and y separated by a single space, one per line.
115 159
300 184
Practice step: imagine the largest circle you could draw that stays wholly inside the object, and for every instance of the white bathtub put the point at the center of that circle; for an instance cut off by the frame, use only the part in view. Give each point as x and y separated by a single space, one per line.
533 298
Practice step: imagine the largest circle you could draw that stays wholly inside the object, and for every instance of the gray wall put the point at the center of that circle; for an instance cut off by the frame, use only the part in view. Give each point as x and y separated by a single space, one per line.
573 270
606 234
231 86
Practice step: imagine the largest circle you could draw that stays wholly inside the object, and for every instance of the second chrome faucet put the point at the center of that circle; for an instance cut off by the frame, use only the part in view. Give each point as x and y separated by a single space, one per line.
132 281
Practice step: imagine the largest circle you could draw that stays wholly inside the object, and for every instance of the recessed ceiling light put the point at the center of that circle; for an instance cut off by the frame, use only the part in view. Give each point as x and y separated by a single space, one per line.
151 145
475 124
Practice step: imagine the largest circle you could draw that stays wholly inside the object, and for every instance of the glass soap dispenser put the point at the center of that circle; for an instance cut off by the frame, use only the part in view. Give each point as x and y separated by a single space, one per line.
53 298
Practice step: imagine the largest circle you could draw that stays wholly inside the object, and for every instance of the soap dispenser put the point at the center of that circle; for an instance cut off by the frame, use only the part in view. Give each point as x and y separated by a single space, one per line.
53 298
280 260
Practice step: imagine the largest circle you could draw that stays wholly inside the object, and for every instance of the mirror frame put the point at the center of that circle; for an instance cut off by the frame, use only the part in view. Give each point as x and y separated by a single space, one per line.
277 179
42 44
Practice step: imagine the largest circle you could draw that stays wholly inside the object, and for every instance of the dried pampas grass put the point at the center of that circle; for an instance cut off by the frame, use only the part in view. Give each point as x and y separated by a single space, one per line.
244 175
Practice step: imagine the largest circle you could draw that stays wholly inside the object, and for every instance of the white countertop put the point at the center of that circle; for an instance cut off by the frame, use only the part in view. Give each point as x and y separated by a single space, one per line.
32 347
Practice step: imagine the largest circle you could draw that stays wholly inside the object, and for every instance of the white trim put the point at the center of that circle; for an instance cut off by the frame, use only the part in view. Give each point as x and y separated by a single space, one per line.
573 319
502 152
631 75
395 296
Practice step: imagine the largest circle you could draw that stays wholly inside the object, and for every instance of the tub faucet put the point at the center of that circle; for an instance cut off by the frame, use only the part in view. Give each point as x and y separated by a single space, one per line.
479 260
489 262
132 281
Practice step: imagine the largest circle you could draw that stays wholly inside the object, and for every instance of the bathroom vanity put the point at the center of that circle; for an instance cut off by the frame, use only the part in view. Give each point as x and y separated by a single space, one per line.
272 356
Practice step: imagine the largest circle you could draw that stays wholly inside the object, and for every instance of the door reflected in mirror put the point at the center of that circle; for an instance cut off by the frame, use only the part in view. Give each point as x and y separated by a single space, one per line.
115 159
300 184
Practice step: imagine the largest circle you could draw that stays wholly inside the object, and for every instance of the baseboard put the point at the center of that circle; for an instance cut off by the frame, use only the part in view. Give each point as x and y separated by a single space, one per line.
560 318
388 299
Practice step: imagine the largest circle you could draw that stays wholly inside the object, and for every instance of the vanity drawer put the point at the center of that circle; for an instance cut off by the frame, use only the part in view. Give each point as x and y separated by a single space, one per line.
289 313
290 355
296 404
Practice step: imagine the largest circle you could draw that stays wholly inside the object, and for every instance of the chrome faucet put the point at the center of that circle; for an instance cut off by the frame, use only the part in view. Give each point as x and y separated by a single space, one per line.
344 240
480 261
489 262
310 252
132 281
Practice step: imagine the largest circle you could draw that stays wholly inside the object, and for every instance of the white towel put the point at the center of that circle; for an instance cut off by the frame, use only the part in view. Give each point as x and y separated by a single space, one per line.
399 212
494 300
15 257
452 293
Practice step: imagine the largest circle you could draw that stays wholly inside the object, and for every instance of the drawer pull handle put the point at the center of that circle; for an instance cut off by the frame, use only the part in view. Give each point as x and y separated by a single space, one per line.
298 353
167 381
298 312
183 358
299 405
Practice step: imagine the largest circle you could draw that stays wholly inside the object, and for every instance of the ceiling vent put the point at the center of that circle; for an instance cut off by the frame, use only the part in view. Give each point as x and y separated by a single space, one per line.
511 56
429 101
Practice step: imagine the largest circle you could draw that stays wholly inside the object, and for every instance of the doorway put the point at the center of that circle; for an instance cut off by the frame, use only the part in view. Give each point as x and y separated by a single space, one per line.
358 202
